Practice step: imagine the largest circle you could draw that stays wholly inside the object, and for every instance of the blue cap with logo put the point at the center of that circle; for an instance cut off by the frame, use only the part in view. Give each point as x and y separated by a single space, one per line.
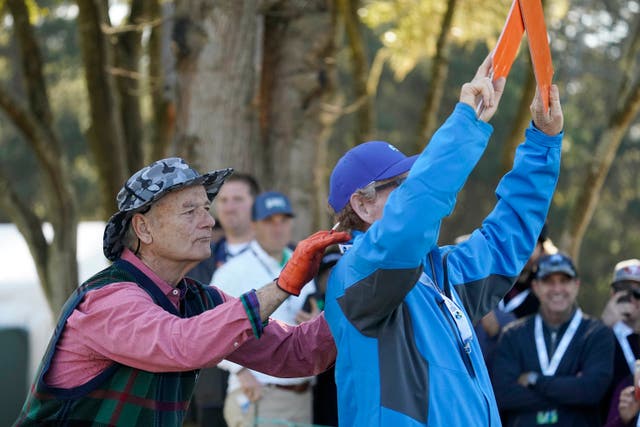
556 263
271 203
365 163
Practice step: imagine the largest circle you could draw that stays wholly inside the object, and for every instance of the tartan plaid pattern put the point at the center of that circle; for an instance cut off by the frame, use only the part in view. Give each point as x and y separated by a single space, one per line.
121 395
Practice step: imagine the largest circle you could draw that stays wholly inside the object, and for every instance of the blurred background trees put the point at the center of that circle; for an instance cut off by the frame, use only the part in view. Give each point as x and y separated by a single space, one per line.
90 90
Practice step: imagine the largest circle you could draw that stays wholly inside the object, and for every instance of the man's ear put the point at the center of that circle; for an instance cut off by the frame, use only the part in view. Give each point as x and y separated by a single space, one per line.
140 225
361 207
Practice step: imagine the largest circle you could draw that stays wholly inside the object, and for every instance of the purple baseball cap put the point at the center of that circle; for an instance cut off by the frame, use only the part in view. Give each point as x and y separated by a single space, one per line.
365 163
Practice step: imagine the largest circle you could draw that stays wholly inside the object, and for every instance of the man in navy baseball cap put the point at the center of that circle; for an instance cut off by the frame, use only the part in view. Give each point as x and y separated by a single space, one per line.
555 263
271 203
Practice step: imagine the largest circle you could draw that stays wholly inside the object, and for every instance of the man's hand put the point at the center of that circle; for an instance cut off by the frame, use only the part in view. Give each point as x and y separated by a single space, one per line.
250 385
628 406
551 121
618 308
483 90
305 261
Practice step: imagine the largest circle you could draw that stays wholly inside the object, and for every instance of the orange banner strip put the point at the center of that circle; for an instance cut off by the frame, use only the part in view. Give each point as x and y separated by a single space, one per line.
525 15
533 17
509 42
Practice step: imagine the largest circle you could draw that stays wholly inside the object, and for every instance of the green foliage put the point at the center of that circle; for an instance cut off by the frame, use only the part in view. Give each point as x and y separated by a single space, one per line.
409 29
67 94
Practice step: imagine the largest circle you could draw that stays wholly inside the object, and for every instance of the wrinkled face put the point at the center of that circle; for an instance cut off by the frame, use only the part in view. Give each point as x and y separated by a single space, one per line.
274 233
233 207
557 293
180 226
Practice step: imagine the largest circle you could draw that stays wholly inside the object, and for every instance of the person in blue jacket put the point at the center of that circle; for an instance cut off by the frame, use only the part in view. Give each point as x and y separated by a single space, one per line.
400 308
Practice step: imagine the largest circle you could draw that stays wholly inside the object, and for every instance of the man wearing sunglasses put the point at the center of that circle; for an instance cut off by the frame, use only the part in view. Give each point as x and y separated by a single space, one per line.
622 315
555 366
400 308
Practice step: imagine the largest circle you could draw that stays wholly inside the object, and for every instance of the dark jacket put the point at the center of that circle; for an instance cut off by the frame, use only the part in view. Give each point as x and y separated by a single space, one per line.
573 393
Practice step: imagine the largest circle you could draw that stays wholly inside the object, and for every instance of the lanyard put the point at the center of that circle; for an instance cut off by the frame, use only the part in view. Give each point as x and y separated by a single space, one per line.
264 265
457 314
228 254
514 302
549 367
621 332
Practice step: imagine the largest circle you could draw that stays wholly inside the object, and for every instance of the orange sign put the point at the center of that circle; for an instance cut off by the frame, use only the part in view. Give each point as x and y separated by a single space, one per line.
525 15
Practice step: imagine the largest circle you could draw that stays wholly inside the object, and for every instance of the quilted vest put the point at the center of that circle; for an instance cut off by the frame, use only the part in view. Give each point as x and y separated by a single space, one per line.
120 395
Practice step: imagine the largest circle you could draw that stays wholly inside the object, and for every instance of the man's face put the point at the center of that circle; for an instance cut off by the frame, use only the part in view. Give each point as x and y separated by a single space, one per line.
180 226
375 207
274 233
629 300
233 207
557 293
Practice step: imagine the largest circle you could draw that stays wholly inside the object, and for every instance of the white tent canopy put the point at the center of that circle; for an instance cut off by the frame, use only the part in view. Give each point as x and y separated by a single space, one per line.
22 302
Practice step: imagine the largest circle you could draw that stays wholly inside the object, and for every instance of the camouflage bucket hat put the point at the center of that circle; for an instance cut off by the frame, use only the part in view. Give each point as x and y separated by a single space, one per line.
148 185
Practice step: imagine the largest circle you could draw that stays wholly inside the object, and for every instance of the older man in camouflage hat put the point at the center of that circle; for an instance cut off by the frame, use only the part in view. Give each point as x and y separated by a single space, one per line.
129 342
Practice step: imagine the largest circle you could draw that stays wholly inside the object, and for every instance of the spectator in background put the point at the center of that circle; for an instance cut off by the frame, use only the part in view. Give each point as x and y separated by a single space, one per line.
325 399
553 367
254 398
622 314
233 209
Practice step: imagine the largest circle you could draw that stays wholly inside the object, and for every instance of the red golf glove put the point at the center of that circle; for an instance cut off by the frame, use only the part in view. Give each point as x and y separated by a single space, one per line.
305 261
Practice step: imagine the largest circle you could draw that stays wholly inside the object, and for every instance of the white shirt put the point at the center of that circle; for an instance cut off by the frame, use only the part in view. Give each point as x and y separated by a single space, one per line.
252 269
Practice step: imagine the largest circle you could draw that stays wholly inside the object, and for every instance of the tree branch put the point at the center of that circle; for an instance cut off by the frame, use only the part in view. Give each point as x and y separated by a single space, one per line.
28 224
31 62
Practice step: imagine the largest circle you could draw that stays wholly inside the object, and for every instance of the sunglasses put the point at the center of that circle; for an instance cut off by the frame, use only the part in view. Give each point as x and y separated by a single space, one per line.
395 183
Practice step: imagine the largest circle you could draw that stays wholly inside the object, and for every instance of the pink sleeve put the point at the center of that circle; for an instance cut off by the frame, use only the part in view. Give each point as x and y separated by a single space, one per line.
120 322
289 351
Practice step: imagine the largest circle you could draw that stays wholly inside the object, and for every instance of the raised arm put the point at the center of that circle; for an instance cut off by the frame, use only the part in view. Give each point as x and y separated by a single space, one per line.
484 267
397 243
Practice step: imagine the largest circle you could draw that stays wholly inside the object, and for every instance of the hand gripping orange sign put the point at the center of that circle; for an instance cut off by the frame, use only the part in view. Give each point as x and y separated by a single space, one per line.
525 14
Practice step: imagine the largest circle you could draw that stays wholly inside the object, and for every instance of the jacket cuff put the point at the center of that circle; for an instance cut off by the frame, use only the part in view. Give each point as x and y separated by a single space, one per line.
252 307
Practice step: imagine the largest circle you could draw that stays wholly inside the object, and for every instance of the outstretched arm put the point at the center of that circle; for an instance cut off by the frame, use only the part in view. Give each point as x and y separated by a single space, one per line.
488 262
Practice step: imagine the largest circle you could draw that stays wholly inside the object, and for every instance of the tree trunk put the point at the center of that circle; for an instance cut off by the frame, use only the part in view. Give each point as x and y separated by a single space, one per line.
606 149
161 79
297 79
55 261
127 72
365 115
217 53
105 134
439 68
